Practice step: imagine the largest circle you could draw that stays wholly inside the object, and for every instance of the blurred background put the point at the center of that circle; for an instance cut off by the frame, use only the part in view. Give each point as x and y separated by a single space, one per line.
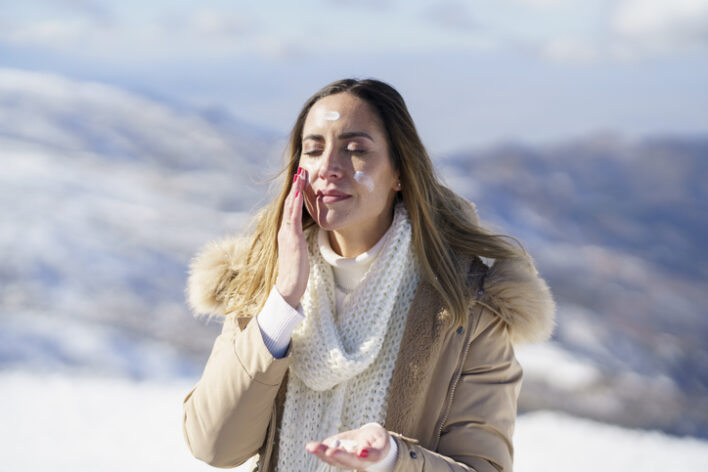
132 133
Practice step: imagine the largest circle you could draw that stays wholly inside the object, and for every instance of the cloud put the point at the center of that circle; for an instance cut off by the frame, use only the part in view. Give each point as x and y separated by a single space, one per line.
90 8
195 32
542 3
661 25
454 15
228 32
46 32
375 4
220 24
59 24
571 50
635 30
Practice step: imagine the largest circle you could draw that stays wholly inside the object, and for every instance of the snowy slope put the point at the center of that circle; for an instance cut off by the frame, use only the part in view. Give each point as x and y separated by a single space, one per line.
76 424
105 195
617 227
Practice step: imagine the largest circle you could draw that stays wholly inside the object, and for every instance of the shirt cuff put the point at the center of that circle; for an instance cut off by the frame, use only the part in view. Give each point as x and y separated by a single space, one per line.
389 462
277 320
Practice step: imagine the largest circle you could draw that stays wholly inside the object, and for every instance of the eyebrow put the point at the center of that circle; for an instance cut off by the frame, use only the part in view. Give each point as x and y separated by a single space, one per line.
349 135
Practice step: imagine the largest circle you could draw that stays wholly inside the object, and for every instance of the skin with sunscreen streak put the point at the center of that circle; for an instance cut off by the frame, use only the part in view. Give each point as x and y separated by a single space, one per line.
354 210
364 180
331 115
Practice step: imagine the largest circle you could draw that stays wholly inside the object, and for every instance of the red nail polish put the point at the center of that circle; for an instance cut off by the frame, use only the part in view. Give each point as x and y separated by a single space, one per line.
294 178
299 169
364 453
297 192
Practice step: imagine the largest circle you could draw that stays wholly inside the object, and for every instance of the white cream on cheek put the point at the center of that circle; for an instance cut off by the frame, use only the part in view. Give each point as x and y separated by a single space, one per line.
311 170
364 180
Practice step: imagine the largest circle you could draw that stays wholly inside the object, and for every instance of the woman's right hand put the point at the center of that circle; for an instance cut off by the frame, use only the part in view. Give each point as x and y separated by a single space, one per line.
293 262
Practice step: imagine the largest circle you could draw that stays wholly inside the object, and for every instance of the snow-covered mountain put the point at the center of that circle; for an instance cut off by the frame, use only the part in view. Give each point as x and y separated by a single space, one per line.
106 194
104 197
618 229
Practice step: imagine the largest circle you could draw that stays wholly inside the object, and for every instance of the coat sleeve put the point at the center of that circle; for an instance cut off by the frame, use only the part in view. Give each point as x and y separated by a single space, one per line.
477 434
226 415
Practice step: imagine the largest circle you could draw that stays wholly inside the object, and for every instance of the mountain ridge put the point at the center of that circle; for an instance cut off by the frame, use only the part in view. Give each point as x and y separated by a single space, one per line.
109 194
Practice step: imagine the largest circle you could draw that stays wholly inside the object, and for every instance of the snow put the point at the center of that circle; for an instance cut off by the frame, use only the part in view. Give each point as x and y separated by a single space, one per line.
547 442
556 366
63 345
63 423
107 194
76 423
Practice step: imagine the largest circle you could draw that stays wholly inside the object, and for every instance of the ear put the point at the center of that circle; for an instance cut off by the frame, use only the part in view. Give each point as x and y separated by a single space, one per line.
397 183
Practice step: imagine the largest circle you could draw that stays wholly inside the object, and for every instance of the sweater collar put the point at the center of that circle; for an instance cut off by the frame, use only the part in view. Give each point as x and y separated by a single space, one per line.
348 271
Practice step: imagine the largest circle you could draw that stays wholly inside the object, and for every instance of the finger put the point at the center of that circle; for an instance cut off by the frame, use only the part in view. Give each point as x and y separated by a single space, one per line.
290 205
371 453
370 444
364 437
344 459
310 198
340 457
316 447
318 450
301 183
378 441
287 204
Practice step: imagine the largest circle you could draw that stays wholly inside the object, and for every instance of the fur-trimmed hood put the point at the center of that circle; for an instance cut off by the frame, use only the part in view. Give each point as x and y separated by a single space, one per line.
512 288
521 298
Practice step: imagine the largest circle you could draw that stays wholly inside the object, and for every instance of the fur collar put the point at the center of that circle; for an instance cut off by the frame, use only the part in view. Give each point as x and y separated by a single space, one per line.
512 288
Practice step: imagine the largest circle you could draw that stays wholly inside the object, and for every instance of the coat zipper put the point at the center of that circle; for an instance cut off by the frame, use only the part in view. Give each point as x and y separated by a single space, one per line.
458 374
270 438
451 395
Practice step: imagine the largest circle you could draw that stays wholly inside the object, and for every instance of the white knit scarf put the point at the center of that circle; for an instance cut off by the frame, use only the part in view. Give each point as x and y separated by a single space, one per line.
341 372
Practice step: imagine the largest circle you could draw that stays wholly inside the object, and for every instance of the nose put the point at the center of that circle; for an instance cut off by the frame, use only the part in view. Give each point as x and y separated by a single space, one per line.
331 166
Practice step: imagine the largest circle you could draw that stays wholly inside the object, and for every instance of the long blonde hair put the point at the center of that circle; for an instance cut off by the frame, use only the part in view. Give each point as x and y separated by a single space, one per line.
444 226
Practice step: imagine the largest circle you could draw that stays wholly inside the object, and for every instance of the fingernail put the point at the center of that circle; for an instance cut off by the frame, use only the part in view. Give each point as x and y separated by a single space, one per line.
364 453
294 178
297 192
299 169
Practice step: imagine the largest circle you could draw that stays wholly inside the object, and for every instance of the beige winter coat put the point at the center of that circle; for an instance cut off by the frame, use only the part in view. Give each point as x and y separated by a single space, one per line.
452 400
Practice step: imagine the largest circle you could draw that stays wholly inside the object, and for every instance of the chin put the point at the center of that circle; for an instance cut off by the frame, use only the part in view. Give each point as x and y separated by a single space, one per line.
330 224
331 220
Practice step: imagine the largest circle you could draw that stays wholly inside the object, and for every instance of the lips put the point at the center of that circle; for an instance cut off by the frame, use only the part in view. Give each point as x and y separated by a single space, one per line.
331 196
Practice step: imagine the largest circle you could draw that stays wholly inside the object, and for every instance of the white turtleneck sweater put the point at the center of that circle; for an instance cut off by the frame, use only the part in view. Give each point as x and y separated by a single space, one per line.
278 319
347 271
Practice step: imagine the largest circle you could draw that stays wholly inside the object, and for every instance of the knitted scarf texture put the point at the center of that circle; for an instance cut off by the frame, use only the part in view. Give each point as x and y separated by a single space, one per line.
342 365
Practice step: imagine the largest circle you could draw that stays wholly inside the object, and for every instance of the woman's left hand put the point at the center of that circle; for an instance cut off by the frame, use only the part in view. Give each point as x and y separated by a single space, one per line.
355 449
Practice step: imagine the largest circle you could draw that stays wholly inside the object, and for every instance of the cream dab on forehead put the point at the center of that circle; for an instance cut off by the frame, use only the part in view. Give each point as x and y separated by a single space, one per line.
364 180
331 115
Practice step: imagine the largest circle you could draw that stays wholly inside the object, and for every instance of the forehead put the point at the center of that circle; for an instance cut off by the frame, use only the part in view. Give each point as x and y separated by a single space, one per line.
342 111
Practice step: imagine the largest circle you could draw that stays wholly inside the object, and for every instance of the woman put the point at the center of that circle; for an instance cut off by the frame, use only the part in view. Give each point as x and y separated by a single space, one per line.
381 341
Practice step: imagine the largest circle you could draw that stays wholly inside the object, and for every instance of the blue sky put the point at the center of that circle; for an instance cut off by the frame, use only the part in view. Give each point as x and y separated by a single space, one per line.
472 72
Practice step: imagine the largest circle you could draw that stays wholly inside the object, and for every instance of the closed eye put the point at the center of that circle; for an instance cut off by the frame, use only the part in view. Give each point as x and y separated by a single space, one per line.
355 148
313 152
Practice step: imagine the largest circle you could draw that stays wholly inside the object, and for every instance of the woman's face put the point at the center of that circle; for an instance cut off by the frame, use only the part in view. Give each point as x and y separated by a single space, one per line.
352 182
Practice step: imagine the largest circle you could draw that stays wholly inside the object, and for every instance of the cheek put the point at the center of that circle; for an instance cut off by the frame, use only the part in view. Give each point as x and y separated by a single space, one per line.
311 166
365 180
